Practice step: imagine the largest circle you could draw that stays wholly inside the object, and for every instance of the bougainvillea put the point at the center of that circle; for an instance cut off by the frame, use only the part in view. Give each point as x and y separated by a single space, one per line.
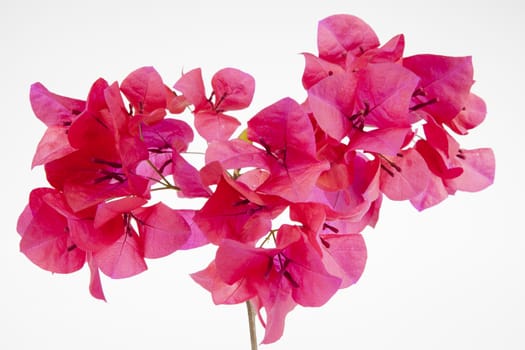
374 123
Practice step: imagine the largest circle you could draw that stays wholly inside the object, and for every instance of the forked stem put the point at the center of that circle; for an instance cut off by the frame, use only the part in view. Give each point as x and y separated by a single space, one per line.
251 322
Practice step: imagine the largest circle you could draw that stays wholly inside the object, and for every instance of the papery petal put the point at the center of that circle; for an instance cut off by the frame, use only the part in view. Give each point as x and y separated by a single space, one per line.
444 80
235 260
92 239
163 230
391 51
434 194
345 256
440 139
316 69
283 126
110 210
313 217
277 306
313 285
214 126
235 154
45 238
53 145
145 90
355 224
436 162
332 102
95 284
229 214
52 109
386 141
233 89
192 86
406 178
479 167
339 35
471 115
253 179
168 134
294 182
383 95
124 258
188 179
177 104
197 237
336 178
24 220
92 135
222 293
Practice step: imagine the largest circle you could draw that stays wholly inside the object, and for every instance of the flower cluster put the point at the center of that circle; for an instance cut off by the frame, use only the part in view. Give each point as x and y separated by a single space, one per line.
374 123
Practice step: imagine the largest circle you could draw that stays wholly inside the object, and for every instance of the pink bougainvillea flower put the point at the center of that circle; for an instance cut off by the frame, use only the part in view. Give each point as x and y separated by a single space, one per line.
383 95
292 273
234 211
145 90
232 90
45 234
103 166
45 226
124 255
451 168
286 134
165 141
293 267
444 85
343 255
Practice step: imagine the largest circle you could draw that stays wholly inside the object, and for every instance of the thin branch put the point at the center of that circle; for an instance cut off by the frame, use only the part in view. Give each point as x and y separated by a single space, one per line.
251 322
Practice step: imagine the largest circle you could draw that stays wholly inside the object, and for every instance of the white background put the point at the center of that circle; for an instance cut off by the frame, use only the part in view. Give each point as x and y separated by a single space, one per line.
448 278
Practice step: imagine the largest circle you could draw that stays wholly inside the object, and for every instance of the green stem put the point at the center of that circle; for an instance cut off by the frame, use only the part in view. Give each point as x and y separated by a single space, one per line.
166 183
251 322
